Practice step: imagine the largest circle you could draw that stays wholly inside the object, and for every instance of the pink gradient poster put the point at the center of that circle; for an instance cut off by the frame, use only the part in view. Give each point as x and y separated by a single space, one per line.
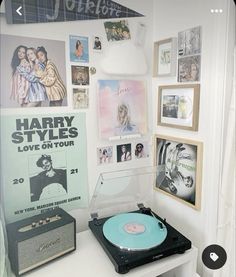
122 108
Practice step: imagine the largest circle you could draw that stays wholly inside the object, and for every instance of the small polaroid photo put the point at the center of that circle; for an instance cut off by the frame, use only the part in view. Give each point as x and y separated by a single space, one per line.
141 150
124 153
80 98
97 43
104 155
117 30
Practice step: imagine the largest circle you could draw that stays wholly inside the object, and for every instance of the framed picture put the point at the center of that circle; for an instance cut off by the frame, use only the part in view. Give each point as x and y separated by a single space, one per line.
165 57
179 169
178 106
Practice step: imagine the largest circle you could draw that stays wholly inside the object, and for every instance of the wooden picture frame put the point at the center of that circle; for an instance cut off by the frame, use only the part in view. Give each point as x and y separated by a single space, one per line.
178 106
179 169
165 57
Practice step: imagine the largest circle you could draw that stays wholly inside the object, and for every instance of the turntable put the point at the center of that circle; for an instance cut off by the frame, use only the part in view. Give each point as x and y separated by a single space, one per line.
131 233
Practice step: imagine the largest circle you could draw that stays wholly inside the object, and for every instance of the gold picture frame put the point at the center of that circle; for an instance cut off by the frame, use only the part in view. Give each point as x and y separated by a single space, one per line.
178 106
165 57
179 169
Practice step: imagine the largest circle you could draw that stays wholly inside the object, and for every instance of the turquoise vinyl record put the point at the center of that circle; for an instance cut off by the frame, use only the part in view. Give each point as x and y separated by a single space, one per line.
134 231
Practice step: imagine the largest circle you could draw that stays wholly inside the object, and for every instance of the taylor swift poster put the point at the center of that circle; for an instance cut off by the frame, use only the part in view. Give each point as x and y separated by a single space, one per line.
122 108
34 72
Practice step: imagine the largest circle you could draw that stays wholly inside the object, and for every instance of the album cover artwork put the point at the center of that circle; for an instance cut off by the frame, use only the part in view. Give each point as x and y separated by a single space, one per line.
80 75
44 163
189 69
122 108
34 72
79 49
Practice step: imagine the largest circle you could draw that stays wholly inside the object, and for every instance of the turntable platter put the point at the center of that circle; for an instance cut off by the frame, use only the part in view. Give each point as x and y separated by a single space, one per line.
134 231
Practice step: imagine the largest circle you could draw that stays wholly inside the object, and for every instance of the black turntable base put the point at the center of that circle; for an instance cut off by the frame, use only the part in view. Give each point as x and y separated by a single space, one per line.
133 242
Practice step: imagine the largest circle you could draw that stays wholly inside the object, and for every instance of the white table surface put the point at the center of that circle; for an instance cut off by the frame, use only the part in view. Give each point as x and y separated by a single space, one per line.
90 260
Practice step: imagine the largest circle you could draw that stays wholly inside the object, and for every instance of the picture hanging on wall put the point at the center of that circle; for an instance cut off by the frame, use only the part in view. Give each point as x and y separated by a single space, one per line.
189 69
189 42
79 49
97 43
80 75
178 106
122 108
53 161
165 54
179 169
34 72
104 155
80 98
117 30
124 153
189 55
141 150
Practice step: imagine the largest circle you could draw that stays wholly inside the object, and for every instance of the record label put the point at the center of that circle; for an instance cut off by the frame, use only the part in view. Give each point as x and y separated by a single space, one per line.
134 228
134 231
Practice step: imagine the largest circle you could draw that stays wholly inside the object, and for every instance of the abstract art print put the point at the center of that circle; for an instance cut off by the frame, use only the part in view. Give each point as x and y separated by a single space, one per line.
122 108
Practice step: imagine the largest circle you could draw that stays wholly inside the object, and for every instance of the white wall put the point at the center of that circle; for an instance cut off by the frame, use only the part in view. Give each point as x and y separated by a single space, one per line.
164 19
61 31
170 17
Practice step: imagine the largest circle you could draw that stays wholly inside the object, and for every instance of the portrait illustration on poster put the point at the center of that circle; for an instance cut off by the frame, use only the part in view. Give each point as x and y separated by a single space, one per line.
49 181
79 49
34 72
53 163
122 108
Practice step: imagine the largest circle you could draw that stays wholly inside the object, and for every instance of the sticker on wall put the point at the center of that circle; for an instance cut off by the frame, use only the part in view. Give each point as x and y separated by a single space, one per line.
80 98
104 155
34 72
80 75
122 108
58 10
79 50
117 30
97 43
44 163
